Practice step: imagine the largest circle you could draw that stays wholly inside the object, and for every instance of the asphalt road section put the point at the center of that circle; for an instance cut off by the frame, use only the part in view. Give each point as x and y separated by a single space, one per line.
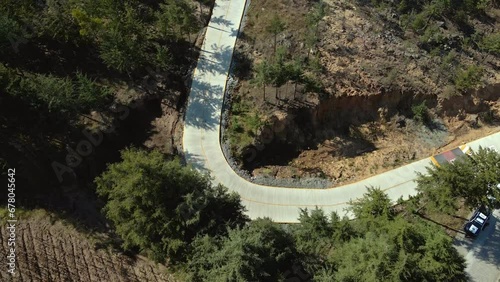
483 253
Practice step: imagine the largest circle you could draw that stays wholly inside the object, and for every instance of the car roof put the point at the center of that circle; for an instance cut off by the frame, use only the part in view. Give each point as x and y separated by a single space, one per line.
471 227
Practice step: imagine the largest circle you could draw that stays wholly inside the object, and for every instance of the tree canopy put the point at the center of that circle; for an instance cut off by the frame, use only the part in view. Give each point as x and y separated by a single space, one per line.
261 251
159 206
400 251
275 27
55 56
473 178
168 210
376 246
52 94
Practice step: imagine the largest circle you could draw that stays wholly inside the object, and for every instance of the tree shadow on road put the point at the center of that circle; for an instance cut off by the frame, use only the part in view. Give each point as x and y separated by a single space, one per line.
205 104
195 161
215 59
220 20
491 252
484 248
207 91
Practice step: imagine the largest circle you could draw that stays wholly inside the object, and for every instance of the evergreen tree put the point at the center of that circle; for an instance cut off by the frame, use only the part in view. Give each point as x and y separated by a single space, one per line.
275 27
159 206
262 76
261 251
473 178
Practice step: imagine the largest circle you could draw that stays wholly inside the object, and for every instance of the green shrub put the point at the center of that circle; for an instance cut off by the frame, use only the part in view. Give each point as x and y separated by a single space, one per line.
469 78
436 8
488 116
450 58
254 122
421 113
449 91
409 6
461 19
448 65
236 126
419 22
491 43
435 52
433 35
245 121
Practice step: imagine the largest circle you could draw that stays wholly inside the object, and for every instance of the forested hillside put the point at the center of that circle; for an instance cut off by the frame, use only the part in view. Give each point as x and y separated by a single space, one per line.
80 80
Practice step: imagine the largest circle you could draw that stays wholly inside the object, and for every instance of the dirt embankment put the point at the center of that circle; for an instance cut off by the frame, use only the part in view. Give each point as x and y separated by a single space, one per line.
345 138
374 70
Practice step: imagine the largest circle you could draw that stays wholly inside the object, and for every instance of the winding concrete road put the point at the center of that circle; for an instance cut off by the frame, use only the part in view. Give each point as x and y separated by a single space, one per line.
202 128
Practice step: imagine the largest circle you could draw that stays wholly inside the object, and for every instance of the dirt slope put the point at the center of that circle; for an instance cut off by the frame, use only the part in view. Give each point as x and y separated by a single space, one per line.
374 68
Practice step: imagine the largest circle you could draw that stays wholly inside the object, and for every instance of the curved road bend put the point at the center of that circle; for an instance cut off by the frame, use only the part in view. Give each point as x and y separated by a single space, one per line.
203 151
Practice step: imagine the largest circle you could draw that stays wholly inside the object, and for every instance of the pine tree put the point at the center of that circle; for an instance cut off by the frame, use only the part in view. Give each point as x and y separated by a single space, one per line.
275 27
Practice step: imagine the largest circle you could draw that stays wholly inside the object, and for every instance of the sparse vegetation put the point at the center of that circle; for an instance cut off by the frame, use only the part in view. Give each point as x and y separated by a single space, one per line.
244 125
275 27
468 78
491 43
421 113
361 50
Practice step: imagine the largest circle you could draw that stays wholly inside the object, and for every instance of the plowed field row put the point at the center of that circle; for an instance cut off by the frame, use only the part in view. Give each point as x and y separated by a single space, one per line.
57 252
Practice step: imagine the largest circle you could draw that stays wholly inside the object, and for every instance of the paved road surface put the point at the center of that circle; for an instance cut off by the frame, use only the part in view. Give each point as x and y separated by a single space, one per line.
201 136
483 253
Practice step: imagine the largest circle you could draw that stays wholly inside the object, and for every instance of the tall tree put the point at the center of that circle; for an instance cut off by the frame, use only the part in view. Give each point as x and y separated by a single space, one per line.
176 18
262 76
313 232
159 206
58 22
278 71
54 95
275 27
123 42
473 178
313 18
394 249
374 204
400 251
295 71
261 251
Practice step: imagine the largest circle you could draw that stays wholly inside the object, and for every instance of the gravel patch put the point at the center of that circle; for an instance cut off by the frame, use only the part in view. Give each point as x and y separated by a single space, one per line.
435 136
